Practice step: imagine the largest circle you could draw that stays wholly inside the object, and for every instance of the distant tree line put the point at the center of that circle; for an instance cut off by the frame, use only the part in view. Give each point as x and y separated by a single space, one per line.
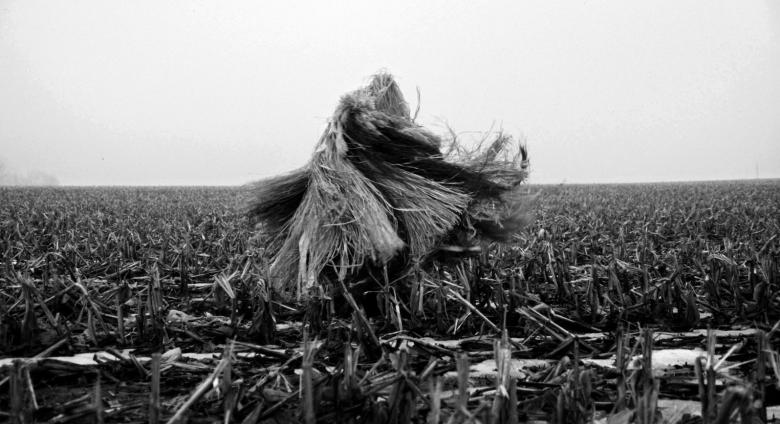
32 178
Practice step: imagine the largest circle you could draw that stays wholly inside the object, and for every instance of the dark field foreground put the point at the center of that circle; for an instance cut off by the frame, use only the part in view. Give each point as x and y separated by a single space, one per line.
624 303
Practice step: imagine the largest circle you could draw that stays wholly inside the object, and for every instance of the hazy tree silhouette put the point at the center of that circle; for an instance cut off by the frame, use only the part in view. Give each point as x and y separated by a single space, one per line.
33 178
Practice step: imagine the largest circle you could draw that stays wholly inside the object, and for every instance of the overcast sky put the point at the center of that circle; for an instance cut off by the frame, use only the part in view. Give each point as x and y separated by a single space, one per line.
190 92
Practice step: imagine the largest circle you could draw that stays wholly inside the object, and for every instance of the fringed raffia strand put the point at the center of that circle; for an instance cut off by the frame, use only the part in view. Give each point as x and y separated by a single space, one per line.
378 188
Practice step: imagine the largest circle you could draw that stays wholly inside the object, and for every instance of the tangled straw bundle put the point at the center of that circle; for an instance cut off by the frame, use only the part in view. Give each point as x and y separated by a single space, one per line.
379 188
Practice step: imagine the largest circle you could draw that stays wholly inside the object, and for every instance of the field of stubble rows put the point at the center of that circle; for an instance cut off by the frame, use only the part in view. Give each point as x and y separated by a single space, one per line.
628 303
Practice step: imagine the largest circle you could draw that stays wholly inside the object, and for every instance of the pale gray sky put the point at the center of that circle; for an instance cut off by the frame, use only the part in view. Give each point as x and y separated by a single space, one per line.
190 92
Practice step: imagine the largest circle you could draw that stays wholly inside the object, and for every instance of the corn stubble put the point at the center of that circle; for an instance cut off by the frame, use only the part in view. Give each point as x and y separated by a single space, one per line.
569 322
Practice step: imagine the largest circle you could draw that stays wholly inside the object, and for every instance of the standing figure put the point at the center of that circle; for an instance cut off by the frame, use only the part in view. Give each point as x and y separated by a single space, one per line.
380 189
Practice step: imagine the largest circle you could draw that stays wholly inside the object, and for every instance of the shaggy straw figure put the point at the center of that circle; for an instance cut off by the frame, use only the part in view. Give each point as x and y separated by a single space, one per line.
378 188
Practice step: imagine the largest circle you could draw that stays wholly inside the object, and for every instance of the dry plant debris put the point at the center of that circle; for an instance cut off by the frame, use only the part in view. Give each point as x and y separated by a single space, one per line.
581 318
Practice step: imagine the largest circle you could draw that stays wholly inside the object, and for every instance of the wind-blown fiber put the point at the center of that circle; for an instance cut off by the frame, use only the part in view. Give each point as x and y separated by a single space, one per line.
379 188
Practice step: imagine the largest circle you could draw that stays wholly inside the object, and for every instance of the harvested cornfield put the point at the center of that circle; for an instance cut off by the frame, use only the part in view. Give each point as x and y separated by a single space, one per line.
154 305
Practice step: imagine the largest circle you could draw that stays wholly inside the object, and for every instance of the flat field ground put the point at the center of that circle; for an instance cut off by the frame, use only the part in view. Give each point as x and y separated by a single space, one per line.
629 303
